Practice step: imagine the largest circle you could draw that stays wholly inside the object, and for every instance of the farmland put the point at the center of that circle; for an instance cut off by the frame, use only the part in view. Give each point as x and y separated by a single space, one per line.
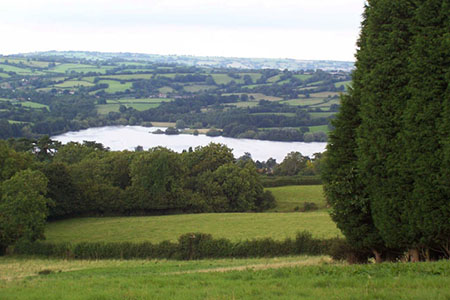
94 90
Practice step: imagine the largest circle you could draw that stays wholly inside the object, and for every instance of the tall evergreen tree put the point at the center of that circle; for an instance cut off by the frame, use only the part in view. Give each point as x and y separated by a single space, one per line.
384 94
423 147
343 185
388 161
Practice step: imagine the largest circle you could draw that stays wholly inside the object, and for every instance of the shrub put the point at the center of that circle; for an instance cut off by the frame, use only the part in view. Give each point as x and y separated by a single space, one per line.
309 206
190 245
340 249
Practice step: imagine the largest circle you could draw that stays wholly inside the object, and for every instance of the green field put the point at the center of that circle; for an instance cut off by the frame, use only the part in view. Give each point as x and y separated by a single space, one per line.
30 63
234 226
73 83
138 104
346 84
166 89
303 101
303 76
224 79
274 79
119 77
20 71
287 278
290 197
274 114
316 115
79 68
116 86
104 109
256 96
253 76
33 105
323 128
141 100
4 75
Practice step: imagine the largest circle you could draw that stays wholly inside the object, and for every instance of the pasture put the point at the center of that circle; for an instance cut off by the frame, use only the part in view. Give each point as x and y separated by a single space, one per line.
233 226
116 86
278 278
73 83
291 197
113 105
323 128
316 115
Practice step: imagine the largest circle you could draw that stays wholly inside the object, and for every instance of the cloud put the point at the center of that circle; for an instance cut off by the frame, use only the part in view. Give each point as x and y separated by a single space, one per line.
282 28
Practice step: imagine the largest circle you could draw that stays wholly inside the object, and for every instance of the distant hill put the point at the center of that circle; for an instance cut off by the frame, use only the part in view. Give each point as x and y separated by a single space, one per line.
205 61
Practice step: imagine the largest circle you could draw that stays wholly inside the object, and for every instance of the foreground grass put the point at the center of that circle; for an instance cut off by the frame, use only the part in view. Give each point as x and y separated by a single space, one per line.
287 278
291 198
233 226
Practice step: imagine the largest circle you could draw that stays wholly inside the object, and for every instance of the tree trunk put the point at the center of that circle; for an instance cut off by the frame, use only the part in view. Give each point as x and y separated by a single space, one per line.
414 255
378 258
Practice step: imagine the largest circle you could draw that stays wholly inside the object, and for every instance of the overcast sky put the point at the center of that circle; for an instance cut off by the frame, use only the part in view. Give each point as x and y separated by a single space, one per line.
302 29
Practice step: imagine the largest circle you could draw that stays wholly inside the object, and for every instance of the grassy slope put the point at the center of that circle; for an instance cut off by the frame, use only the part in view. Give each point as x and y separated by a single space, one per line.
290 278
234 226
288 197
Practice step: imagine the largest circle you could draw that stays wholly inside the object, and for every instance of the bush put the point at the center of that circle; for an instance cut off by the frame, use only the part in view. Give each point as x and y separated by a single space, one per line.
191 244
340 249
309 206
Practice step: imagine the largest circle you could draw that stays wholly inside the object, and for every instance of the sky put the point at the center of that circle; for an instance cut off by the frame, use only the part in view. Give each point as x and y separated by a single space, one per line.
300 29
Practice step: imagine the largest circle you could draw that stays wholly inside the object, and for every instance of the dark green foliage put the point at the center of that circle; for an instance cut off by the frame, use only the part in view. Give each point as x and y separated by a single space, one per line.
292 164
61 189
342 250
386 173
423 138
342 183
190 246
309 206
23 207
158 179
383 93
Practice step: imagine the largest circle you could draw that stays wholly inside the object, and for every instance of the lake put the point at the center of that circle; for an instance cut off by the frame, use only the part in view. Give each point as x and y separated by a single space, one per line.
128 137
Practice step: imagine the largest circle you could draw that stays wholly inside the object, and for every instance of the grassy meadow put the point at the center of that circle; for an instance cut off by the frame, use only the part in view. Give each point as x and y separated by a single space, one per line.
291 197
282 222
278 278
233 226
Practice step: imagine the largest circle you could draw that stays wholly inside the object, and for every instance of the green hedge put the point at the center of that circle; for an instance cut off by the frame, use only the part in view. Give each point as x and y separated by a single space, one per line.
189 246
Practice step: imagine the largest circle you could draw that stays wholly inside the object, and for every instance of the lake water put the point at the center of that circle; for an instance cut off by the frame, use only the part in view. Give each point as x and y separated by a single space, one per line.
128 137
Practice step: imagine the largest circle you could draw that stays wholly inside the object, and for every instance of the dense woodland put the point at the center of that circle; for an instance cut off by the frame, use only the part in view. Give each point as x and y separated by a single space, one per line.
44 94
388 160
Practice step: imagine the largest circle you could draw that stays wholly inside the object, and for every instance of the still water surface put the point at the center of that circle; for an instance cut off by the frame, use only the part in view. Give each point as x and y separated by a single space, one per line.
128 137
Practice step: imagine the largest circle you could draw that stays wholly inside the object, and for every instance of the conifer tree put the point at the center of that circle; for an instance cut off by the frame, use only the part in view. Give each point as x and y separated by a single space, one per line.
383 98
343 184
424 141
